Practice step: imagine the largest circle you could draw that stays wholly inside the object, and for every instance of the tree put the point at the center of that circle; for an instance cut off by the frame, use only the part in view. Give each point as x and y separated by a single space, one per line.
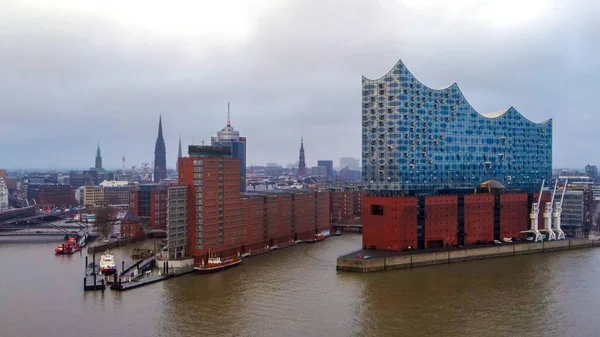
104 221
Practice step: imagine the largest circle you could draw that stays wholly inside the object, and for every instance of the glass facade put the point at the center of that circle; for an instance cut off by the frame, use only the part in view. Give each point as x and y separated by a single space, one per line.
238 151
416 138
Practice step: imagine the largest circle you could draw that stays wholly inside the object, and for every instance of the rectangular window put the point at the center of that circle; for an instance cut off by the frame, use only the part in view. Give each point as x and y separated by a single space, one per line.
377 210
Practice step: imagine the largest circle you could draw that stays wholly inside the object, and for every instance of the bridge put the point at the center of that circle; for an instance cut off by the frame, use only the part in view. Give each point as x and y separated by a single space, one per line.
39 224
343 226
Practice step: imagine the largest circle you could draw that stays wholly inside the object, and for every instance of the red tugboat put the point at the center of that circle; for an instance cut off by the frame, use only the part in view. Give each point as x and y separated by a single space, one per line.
316 238
69 247
215 264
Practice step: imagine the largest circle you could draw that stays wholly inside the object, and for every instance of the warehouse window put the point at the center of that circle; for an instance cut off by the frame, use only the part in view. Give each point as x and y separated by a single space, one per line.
376 210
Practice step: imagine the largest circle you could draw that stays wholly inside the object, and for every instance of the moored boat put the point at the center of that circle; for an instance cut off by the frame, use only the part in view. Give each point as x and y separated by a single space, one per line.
316 238
107 263
215 264
69 247
338 232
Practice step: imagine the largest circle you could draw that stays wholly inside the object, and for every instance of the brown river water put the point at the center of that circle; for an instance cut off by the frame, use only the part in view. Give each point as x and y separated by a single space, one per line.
297 292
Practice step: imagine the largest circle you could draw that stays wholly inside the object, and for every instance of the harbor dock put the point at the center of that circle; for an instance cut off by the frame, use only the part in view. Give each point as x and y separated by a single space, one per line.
367 261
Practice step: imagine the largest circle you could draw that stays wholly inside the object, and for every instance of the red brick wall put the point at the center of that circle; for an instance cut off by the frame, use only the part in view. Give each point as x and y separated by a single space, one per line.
158 209
234 212
131 230
255 222
479 218
322 211
302 215
396 229
441 219
514 217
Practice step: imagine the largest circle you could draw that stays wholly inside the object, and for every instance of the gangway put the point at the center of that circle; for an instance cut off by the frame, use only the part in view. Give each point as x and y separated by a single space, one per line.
535 210
557 212
140 267
548 216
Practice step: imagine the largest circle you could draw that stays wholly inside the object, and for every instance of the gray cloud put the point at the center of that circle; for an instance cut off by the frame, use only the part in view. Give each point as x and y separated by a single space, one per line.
70 80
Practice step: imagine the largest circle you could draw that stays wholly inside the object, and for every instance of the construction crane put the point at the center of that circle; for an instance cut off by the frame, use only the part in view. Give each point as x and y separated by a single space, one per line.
535 210
560 235
548 216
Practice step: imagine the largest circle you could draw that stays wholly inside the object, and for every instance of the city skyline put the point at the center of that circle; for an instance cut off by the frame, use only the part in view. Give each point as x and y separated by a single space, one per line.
126 72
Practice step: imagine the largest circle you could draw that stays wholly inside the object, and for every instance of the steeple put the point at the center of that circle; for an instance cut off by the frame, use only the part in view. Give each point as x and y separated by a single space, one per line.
179 155
160 134
98 165
301 159
160 155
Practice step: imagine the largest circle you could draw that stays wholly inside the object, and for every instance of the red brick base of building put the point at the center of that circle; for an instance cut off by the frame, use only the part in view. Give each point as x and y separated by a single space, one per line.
406 223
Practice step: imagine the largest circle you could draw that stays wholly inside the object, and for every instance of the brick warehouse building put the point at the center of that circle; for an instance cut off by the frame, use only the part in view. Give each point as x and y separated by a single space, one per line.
438 173
226 222
149 203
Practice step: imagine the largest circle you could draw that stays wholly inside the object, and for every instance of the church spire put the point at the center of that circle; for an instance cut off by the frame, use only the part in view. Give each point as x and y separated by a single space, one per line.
98 165
301 159
179 154
160 155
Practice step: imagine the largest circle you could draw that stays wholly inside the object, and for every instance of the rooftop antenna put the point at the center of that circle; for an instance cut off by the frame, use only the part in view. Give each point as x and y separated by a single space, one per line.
228 116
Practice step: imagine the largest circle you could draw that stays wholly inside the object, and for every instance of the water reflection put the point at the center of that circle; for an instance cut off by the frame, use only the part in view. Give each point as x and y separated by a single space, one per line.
297 292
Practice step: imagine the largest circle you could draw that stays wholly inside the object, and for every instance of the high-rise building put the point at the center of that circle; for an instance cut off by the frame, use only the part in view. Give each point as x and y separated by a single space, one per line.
160 155
423 153
215 215
591 171
230 138
417 138
98 165
177 221
328 165
3 195
301 160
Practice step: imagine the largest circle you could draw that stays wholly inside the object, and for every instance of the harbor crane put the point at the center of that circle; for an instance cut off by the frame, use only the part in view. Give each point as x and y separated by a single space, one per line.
548 216
535 210
560 235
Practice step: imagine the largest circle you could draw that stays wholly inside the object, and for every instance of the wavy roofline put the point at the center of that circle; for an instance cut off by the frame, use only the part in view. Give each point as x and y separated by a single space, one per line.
489 115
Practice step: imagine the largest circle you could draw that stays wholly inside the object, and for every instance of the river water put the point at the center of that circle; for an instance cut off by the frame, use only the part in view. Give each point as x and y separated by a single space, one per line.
297 292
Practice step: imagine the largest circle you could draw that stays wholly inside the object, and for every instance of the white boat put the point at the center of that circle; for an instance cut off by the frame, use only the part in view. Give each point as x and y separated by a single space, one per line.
107 263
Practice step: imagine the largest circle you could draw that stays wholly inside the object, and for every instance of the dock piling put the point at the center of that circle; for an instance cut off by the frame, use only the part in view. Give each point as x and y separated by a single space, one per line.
86 265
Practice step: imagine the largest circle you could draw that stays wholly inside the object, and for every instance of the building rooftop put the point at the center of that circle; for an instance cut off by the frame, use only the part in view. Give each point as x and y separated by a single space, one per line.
114 183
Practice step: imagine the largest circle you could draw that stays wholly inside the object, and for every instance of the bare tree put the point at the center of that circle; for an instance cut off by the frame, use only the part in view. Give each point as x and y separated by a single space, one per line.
104 221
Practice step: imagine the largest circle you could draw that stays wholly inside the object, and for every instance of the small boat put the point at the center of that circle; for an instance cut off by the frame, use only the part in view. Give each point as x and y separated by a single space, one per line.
338 233
69 247
215 264
107 263
316 238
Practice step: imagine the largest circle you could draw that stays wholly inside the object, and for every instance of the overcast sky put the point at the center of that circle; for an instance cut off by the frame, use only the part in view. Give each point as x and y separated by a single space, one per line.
74 74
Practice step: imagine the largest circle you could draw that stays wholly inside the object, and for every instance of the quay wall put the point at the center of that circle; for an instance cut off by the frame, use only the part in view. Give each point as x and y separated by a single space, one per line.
419 259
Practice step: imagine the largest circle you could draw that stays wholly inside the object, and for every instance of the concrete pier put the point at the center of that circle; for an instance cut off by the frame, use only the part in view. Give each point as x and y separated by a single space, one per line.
401 260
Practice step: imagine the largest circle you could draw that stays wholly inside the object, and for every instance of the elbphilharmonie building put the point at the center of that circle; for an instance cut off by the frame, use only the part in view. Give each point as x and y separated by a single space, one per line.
415 138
